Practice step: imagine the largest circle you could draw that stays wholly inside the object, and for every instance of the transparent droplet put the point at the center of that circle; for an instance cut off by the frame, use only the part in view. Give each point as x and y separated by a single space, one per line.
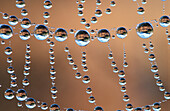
83 64
8 50
167 95
75 67
46 14
154 68
2 42
44 106
129 107
121 32
108 11
25 23
98 13
93 20
52 76
123 89
6 31
144 30
78 75
92 99
71 31
69 57
69 109
54 90
82 37
80 13
54 96
13 83
140 10
98 108
126 98
54 107
10 70
47 4
87 25
41 32
21 95
156 76
98 2
24 12
60 34
161 88
144 2
110 56
13 76
25 82
164 21
112 3
156 106
86 79
121 73
113 63
26 72
45 22
83 21
9 60
146 50
27 56
20 3
159 82
9 94
88 90
52 71
138 109
30 103
147 108
19 104
80 7
83 59
13 20
103 35
24 34
125 64
122 81
5 16
85 69
115 69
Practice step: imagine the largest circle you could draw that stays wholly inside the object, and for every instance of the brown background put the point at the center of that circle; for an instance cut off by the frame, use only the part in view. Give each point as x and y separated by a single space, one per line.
141 85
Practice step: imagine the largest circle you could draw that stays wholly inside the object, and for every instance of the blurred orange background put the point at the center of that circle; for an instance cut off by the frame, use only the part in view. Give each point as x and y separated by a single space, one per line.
141 86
